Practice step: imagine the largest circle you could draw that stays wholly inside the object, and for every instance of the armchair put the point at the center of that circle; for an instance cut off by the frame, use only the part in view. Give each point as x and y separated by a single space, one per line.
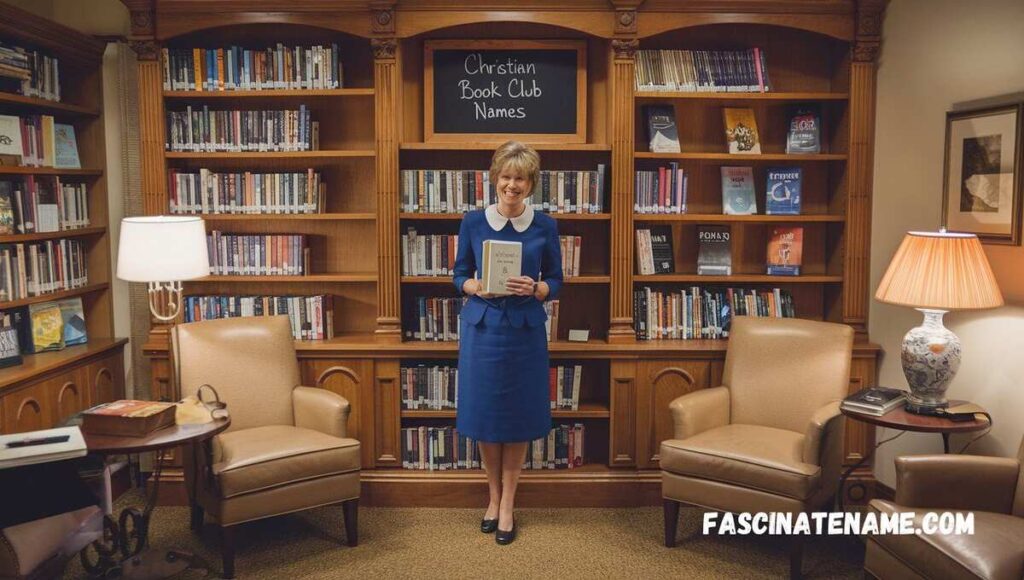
991 487
771 437
287 449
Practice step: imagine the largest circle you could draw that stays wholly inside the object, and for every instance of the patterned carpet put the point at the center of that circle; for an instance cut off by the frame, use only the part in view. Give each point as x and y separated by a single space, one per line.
427 543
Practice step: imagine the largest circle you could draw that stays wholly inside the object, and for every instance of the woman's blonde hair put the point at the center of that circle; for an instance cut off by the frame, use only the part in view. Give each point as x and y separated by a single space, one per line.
518 157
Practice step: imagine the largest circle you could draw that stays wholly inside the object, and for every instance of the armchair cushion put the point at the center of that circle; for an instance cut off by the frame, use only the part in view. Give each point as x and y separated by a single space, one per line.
751 456
995 551
953 482
815 435
320 410
260 458
699 411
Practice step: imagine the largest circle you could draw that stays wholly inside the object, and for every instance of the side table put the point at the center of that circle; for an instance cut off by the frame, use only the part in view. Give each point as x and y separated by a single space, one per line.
903 420
129 534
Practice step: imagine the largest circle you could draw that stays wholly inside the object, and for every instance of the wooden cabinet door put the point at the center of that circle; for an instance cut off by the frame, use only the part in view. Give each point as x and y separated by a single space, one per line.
28 409
69 393
106 379
659 382
354 380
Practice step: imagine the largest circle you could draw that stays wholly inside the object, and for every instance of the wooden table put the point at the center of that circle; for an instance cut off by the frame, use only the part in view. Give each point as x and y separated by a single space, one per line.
901 419
129 534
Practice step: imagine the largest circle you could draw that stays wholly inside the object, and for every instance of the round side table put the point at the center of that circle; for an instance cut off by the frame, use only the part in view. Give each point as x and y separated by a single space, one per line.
129 534
903 420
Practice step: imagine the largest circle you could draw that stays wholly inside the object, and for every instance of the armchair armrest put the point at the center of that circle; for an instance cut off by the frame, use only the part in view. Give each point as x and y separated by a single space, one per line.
320 410
967 482
817 430
699 411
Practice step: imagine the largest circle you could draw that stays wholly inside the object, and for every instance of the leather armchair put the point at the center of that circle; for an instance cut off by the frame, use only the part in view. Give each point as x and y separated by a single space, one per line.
771 437
287 449
991 487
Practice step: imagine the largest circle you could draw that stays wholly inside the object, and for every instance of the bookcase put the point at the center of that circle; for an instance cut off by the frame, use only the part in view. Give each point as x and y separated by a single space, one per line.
374 129
50 386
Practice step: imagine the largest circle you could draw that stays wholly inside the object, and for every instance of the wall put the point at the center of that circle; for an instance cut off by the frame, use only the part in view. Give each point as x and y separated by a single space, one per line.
939 55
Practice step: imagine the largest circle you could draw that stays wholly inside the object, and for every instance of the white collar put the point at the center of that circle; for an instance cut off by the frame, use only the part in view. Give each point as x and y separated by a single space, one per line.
498 221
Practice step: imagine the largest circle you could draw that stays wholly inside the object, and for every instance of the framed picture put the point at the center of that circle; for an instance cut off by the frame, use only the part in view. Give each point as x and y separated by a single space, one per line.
982 190
10 353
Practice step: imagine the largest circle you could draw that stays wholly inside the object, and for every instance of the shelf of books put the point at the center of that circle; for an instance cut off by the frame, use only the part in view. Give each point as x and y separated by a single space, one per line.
740 186
55 271
270 138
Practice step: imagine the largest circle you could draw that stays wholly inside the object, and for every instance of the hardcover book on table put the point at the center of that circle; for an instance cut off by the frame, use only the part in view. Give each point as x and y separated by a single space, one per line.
662 134
804 134
875 400
785 251
741 131
783 191
714 256
502 260
738 197
128 418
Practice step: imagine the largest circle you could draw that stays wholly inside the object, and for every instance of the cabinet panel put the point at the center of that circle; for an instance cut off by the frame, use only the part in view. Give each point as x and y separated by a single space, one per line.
28 409
106 379
622 437
354 380
387 414
660 382
69 393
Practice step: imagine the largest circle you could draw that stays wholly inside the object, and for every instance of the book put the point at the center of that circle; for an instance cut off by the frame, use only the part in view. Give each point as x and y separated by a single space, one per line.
65 147
63 443
10 139
782 191
741 131
662 134
661 249
502 260
10 351
875 401
128 418
47 327
714 257
804 133
6 209
738 197
74 321
785 251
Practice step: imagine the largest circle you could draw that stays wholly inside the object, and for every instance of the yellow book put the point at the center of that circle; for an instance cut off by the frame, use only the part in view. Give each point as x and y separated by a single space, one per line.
197 60
47 327
741 131
49 142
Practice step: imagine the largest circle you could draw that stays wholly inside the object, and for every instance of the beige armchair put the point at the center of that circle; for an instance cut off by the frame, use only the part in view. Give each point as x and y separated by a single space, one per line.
286 449
991 487
771 437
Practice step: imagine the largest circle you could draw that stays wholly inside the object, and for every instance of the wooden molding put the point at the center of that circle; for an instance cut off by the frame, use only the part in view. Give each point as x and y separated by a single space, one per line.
869 30
145 50
69 44
625 21
382 17
384 48
625 48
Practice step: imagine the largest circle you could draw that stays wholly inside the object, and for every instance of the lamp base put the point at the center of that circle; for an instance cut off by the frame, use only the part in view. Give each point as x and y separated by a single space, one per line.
925 408
931 358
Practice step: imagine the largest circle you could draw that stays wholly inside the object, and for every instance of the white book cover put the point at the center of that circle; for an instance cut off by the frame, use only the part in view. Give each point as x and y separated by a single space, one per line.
67 443
502 260
10 135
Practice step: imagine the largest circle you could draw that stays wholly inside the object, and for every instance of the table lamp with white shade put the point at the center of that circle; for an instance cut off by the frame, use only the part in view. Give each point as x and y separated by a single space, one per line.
163 251
936 272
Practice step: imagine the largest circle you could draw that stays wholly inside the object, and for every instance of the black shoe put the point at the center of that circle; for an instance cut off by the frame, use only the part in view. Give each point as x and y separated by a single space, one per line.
488 526
505 538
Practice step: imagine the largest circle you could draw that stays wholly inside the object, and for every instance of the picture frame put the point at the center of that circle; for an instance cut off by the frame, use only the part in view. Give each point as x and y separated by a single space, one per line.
982 182
10 349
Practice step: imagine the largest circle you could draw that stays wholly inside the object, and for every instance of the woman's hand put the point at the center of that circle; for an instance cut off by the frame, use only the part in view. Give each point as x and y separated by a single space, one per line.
520 285
474 287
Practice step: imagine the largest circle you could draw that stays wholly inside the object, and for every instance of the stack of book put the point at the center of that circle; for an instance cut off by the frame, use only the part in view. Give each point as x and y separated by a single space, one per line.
458 191
654 253
41 268
702 70
203 130
432 318
661 191
42 204
876 401
564 385
235 68
438 449
245 192
697 313
561 449
428 254
47 326
29 72
39 141
128 418
312 317
257 254
571 247
429 387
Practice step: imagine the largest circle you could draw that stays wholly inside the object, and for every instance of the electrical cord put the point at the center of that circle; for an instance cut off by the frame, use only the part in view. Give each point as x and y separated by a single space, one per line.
982 434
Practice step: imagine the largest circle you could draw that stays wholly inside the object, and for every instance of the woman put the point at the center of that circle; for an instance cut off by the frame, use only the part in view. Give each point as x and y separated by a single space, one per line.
503 351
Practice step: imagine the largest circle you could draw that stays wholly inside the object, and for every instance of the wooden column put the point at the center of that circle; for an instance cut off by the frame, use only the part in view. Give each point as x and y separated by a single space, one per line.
386 122
623 83
151 107
857 273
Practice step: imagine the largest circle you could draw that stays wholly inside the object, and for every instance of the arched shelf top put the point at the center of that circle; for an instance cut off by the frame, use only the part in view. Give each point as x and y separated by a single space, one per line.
836 26
175 25
411 23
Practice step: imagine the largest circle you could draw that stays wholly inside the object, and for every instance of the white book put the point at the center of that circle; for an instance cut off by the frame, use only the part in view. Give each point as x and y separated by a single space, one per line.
16 456
502 260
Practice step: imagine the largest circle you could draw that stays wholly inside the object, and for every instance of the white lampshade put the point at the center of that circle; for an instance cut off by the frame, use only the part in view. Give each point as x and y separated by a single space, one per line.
162 249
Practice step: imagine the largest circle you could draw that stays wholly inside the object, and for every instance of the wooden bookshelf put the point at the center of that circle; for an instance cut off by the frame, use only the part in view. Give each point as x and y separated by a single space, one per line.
46 388
819 54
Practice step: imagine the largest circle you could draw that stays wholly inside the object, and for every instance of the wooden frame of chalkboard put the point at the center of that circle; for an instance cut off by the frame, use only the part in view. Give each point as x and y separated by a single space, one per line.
496 105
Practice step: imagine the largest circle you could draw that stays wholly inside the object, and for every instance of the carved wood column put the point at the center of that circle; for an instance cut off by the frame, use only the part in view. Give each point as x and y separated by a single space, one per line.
151 107
386 123
856 274
623 83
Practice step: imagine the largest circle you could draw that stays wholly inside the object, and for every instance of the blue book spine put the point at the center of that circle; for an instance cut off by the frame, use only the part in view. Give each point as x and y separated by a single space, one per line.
783 191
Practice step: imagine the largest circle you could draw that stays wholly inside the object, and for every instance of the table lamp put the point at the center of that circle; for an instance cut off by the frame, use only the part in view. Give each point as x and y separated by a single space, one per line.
936 272
163 251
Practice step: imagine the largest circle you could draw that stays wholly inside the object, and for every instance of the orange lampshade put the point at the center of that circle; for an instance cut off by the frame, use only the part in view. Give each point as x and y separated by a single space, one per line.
940 270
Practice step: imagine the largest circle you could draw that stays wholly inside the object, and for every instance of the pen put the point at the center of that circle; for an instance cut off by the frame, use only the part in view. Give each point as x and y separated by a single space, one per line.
39 441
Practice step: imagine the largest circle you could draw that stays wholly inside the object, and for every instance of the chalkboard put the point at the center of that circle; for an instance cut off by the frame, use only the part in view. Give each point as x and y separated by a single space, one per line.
529 89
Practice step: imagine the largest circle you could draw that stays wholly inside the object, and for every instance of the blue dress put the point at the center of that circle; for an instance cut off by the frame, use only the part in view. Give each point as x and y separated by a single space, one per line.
503 350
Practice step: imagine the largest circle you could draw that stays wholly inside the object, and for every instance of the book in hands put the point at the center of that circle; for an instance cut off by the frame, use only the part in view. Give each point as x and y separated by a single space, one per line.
875 401
502 260
128 418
